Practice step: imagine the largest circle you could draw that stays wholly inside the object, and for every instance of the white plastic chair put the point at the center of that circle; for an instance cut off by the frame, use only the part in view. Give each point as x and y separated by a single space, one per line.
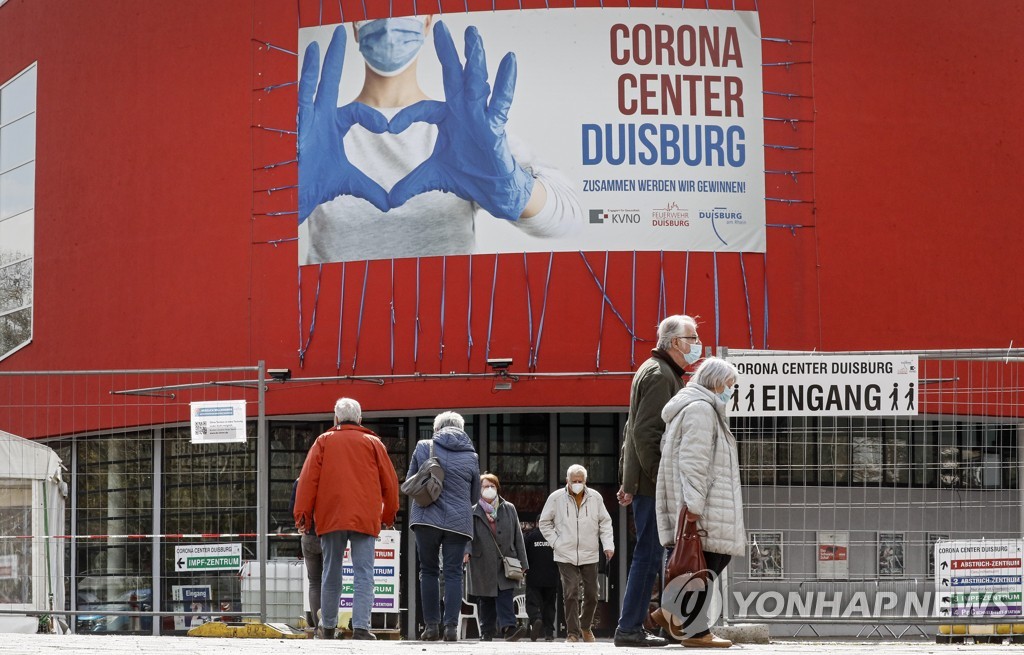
468 612
519 602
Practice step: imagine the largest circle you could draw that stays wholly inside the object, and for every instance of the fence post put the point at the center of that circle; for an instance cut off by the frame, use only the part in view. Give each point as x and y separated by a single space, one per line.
262 486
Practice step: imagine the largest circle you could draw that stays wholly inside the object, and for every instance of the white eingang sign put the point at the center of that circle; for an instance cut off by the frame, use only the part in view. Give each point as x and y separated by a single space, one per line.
825 385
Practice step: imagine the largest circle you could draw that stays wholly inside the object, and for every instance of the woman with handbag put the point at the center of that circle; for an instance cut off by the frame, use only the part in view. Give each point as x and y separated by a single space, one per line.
444 527
497 560
699 484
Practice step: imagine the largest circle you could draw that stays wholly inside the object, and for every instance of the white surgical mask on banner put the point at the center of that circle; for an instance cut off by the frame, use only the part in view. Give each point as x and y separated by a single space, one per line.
489 493
390 45
577 487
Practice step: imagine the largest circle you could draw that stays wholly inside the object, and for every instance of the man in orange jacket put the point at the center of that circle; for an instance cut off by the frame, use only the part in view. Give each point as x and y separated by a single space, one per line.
349 488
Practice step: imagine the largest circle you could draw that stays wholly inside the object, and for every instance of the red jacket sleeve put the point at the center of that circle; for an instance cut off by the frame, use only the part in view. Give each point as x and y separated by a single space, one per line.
309 482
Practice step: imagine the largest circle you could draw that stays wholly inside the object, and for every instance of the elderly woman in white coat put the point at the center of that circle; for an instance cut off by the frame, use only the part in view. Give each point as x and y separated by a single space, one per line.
700 467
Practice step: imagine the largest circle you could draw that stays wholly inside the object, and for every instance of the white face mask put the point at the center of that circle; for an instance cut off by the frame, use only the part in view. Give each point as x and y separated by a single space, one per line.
489 493
577 487
692 353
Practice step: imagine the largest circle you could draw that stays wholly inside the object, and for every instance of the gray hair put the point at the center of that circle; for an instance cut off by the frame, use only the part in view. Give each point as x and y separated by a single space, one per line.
714 373
672 327
449 419
574 469
347 410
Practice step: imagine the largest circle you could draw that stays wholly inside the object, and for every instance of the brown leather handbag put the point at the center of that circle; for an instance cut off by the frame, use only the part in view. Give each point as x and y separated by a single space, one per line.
688 555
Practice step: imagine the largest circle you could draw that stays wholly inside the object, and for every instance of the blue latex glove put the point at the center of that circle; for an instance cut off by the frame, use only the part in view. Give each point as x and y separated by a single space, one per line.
324 171
471 157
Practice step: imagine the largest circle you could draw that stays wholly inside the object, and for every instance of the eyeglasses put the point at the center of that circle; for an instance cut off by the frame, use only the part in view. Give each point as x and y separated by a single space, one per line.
694 338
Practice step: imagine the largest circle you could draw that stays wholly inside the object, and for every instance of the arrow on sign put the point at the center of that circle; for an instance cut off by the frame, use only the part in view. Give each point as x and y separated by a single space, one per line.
945 582
945 565
181 563
945 599
944 610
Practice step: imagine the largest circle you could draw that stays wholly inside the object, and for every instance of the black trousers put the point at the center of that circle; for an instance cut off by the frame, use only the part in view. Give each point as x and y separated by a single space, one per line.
716 563
540 604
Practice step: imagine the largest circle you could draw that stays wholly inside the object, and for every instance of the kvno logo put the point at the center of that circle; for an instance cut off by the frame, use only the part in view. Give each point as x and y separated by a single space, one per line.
627 216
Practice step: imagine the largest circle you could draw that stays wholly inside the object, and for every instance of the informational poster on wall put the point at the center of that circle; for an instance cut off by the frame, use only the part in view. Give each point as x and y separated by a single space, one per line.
892 554
531 131
833 556
218 421
191 598
766 555
825 385
385 574
979 577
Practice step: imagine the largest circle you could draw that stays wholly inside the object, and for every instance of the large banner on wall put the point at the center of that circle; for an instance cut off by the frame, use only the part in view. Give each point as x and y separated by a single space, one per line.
604 129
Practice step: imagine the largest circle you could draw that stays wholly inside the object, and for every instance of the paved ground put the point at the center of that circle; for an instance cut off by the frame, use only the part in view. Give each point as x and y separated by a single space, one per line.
95 645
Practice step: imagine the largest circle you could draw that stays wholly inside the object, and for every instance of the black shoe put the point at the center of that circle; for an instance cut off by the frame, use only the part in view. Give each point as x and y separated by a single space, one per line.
486 637
363 633
513 633
324 633
537 630
431 633
638 639
451 633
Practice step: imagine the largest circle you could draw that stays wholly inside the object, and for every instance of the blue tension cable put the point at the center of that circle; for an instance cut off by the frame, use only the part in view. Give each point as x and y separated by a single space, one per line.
764 344
271 46
490 317
469 315
275 165
543 312
604 294
359 323
299 298
632 318
416 327
686 279
746 297
312 320
275 242
604 301
275 130
444 290
529 309
662 301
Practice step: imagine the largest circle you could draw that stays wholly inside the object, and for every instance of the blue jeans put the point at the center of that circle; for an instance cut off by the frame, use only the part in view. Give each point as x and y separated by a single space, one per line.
496 609
452 547
333 544
646 565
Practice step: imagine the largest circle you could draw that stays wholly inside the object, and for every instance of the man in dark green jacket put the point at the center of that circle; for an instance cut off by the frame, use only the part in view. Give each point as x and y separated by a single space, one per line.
655 382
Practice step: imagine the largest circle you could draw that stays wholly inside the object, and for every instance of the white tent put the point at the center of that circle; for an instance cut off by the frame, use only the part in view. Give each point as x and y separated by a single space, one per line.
31 514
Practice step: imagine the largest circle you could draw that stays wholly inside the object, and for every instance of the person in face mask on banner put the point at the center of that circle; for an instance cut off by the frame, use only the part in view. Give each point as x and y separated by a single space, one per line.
655 382
409 180
578 526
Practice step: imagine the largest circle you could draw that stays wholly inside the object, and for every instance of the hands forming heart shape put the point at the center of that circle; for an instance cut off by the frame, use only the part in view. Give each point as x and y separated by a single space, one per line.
471 157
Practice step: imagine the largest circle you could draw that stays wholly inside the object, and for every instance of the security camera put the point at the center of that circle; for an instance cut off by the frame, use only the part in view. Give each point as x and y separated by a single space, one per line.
499 363
280 374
